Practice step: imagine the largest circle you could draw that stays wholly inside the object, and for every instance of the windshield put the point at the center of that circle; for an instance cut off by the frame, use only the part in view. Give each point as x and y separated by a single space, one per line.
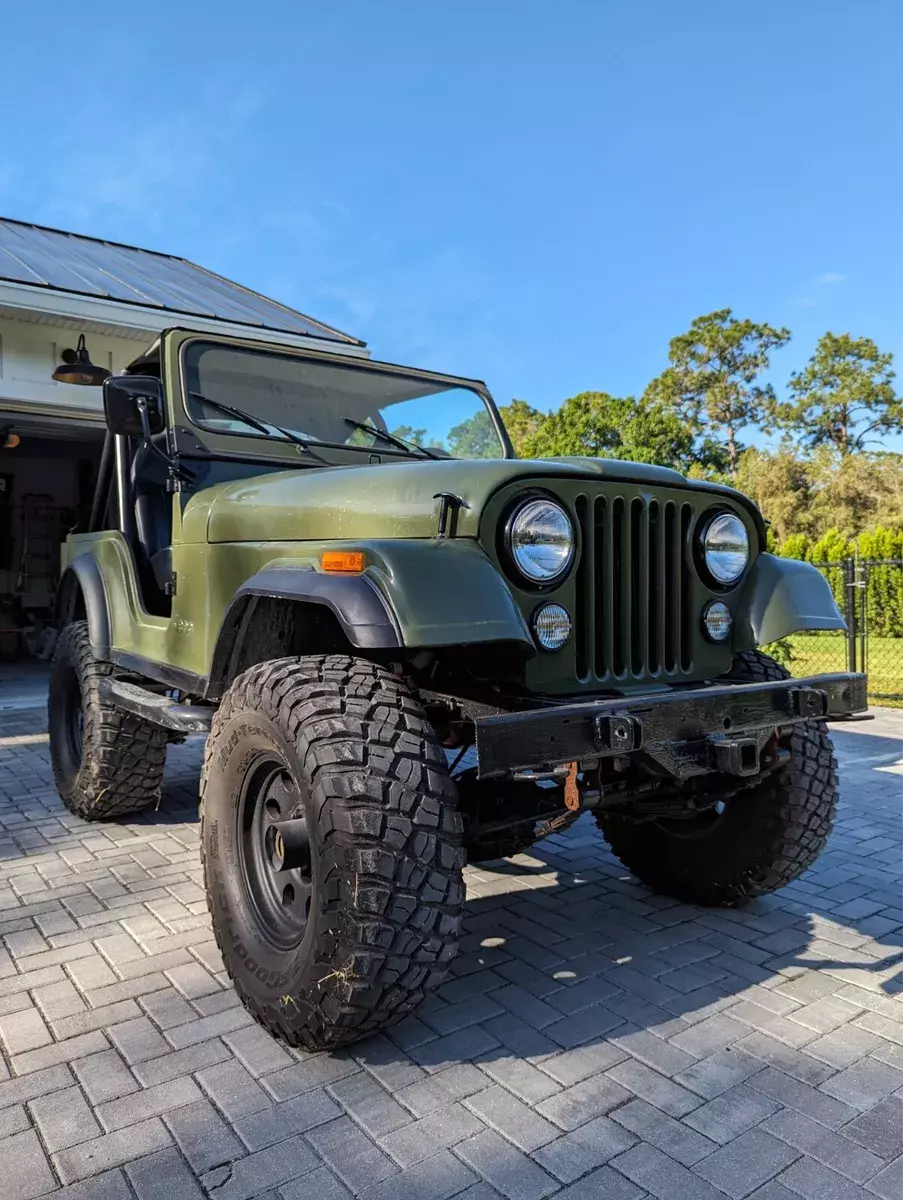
260 394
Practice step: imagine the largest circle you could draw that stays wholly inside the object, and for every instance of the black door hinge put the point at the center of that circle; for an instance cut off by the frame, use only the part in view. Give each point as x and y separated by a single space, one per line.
169 588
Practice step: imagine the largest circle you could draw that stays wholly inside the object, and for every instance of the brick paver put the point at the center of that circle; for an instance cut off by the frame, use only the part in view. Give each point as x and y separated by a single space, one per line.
593 1039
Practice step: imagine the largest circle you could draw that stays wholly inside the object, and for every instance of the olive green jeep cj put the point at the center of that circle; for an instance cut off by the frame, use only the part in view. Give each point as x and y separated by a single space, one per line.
408 648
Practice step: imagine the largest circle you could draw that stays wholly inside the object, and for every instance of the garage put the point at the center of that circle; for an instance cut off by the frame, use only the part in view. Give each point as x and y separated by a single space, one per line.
74 309
46 483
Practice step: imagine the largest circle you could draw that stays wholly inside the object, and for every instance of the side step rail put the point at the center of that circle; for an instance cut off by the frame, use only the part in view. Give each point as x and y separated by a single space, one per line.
159 710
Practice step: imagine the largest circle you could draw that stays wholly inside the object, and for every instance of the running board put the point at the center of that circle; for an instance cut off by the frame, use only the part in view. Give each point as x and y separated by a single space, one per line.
158 710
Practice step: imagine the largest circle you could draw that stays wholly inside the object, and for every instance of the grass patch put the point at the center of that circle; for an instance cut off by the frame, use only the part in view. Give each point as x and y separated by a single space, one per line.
820 653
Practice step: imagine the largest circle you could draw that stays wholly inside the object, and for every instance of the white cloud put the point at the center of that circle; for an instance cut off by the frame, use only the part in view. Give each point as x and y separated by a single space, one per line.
829 277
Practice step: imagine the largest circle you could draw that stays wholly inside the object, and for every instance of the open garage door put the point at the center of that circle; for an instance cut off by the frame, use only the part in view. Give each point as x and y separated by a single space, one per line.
48 467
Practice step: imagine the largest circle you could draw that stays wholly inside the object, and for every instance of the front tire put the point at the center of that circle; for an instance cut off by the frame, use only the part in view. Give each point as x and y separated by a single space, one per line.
106 762
345 934
769 833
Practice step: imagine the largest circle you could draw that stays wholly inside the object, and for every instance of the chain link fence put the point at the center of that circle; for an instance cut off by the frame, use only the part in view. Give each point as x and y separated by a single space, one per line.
869 593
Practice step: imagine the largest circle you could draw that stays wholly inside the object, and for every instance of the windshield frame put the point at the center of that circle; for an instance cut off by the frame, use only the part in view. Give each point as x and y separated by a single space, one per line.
239 443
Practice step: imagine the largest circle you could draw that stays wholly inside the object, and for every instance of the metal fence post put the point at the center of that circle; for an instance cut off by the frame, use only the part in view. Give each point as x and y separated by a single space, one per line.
862 587
849 576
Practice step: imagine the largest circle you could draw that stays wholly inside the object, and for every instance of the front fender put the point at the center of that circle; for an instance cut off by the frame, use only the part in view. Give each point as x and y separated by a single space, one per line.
784 596
415 594
446 592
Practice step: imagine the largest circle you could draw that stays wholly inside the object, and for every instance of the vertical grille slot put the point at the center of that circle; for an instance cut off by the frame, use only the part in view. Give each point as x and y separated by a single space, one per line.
585 616
686 583
656 601
639 586
671 562
603 576
619 582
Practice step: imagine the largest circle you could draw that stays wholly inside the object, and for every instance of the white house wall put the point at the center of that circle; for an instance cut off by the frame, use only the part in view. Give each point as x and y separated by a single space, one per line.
29 353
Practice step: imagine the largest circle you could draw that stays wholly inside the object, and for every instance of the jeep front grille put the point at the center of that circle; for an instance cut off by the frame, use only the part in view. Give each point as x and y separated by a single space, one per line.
633 611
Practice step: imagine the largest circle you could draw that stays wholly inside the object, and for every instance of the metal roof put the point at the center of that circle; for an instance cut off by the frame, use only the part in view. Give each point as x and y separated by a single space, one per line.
87 266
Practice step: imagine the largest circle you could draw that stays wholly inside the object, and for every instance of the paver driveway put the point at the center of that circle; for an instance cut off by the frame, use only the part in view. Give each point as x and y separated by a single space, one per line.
594 1040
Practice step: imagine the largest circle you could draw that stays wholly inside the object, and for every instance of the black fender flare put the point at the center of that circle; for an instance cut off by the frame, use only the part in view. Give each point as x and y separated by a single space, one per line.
784 596
360 609
83 576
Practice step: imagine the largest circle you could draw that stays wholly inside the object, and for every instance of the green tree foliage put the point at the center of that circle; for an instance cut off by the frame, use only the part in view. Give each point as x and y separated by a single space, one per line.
599 425
588 425
407 433
855 492
714 372
844 397
474 438
810 495
521 421
779 483
884 584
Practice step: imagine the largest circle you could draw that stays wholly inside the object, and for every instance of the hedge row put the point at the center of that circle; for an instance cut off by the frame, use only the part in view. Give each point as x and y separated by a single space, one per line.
884 584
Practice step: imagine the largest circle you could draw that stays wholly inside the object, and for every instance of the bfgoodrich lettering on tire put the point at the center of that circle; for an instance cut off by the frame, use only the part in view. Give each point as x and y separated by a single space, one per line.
331 844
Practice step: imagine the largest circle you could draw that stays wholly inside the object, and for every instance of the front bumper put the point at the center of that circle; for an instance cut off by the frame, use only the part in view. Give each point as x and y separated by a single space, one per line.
688 731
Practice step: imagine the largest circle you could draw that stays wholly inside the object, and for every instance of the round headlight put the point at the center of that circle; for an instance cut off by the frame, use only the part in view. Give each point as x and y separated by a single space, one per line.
725 547
541 540
717 620
551 626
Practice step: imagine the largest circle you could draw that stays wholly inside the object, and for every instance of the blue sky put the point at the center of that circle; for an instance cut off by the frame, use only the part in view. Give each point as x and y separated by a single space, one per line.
537 194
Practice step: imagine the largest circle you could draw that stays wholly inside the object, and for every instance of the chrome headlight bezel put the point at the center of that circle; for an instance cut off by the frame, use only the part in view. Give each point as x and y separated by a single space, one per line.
518 524
730 530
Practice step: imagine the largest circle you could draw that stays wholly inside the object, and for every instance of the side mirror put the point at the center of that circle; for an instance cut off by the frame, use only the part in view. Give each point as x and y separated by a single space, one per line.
133 404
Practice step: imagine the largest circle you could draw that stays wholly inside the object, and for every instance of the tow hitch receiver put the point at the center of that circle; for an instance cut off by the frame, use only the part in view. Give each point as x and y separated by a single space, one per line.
688 731
738 756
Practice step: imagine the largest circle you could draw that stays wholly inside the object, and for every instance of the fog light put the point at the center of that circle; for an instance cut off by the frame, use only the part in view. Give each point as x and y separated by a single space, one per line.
551 626
717 620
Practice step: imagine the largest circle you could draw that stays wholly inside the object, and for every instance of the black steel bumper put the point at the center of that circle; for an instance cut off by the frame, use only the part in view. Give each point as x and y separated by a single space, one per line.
688 732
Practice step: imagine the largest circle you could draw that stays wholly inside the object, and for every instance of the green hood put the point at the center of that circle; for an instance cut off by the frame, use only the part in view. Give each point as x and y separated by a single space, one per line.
394 500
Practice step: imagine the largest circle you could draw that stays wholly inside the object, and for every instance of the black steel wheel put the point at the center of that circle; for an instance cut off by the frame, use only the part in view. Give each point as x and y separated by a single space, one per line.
331 845
275 853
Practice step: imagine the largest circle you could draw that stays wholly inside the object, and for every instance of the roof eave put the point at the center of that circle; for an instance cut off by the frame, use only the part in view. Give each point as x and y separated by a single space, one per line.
144 319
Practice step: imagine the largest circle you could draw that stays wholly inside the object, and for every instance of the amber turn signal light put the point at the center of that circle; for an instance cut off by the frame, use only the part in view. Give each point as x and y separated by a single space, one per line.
347 562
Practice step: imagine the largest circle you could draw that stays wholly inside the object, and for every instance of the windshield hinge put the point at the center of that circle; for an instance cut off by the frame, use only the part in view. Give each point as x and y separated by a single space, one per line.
169 588
449 506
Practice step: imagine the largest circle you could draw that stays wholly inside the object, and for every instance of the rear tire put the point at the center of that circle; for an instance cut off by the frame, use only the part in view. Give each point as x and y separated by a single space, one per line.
352 939
106 762
769 833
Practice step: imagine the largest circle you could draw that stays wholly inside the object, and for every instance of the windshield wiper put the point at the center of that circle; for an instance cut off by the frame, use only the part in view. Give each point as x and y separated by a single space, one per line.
257 423
391 438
